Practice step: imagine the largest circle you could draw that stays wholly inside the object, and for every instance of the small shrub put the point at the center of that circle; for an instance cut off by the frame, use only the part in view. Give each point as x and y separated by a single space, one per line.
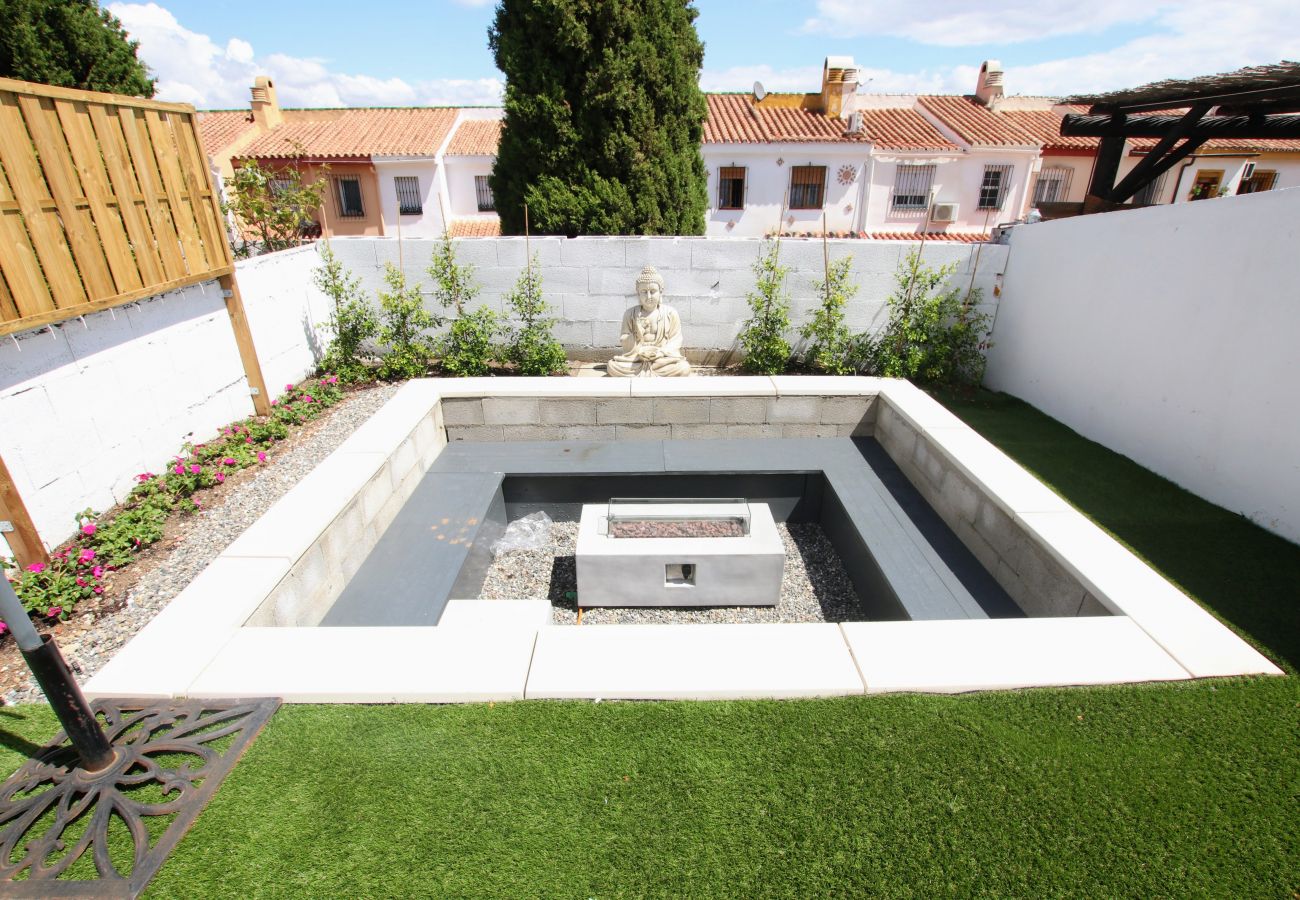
934 335
532 347
273 208
353 319
403 325
469 346
54 589
830 342
763 334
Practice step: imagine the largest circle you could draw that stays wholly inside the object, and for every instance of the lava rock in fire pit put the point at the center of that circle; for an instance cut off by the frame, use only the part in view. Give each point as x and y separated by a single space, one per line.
686 528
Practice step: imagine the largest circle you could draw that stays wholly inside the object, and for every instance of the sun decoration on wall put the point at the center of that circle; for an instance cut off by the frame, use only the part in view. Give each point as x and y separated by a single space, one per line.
847 174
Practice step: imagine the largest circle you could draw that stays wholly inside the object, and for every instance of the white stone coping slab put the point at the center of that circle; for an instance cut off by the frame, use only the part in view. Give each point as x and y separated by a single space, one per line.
989 654
1194 637
371 665
827 385
197 647
692 662
521 614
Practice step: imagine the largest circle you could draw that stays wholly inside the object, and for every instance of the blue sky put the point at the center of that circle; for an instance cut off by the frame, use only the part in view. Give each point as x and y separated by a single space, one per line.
388 52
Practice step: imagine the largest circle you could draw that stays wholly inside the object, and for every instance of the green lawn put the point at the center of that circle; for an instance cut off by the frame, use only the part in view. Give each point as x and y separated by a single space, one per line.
1189 789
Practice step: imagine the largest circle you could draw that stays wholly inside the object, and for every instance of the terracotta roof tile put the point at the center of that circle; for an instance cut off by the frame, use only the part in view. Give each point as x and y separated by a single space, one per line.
475 137
1044 126
903 129
222 128
411 131
958 237
1228 145
975 123
734 119
480 227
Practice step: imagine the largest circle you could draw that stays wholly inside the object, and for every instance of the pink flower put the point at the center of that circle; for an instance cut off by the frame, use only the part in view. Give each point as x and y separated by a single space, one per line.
145 476
37 568
220 476
275 402
3 627
179 470
89 528
98 589
86 556
194 470
54 611
248 440
230 461
288 387
261 457
197 504
306 398
81 582
98 571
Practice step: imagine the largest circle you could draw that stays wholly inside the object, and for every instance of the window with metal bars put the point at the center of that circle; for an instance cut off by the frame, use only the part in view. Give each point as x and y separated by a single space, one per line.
807 187
1259 180
408 195
1053 184
912 186
483 190
731 187
348 190
279 185
1153 192
993 188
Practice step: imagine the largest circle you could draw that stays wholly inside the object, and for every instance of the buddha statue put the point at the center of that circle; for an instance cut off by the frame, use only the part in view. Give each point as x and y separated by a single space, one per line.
651 334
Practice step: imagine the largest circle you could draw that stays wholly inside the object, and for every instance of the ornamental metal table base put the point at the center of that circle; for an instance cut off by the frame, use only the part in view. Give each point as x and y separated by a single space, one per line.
170 759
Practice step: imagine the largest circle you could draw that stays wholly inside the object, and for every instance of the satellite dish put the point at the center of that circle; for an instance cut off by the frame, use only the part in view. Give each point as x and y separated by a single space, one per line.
759 91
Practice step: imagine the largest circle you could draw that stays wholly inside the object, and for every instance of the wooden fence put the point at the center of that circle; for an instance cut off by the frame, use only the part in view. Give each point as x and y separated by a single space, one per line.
104 200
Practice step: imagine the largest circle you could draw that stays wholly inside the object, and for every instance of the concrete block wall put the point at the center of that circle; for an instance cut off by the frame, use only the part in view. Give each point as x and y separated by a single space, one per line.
89 403
1021 564
655 418
399 453
590 282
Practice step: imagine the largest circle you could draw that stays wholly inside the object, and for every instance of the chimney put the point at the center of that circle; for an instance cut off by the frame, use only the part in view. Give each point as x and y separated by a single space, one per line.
266 109
839 84
989 89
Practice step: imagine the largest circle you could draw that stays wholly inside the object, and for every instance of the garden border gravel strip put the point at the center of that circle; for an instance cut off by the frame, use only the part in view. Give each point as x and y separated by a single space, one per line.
204 535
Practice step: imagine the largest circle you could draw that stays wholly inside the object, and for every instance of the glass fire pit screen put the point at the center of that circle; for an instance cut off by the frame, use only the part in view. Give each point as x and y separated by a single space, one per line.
670 518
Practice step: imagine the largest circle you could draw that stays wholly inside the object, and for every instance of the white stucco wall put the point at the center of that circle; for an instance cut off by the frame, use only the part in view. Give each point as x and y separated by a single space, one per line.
87 407
766 184
590 282
1169 335
462 197
429 222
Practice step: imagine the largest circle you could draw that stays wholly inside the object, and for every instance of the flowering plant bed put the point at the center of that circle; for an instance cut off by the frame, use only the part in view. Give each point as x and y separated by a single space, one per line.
107 542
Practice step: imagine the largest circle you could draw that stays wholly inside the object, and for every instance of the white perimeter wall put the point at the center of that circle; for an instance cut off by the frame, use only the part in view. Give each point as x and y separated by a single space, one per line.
590 282
84 408
1168 334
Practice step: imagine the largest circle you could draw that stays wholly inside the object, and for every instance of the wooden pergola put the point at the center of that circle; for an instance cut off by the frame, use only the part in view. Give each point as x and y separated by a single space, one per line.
1256 102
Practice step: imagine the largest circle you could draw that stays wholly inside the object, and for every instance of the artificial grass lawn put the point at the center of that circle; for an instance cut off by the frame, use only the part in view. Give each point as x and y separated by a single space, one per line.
1185 789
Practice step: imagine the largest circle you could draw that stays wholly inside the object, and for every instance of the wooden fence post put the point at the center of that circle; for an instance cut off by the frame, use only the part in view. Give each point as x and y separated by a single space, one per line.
23 540
244 340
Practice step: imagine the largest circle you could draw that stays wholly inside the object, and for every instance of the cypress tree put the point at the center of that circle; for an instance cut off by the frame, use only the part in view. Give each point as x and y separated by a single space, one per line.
603 117
70 43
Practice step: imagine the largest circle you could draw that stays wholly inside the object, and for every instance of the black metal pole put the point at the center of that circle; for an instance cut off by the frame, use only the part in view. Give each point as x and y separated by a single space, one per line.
61 689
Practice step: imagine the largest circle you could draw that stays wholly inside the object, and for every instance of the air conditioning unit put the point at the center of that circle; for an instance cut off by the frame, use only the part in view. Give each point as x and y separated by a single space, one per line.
1248 171
855 123
943 212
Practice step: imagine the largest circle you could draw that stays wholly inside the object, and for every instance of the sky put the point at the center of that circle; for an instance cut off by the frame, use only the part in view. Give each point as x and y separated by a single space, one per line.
404 52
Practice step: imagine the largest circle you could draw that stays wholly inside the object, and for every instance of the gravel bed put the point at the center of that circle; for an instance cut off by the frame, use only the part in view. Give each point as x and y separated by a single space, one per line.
814 585
205 534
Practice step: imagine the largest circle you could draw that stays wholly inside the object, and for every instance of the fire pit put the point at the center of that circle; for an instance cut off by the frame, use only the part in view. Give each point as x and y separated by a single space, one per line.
660 552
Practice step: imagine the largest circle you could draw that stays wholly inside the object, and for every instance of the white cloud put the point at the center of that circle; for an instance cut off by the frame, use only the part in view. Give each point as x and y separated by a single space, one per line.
808 79
959 24
1184 39
192 68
